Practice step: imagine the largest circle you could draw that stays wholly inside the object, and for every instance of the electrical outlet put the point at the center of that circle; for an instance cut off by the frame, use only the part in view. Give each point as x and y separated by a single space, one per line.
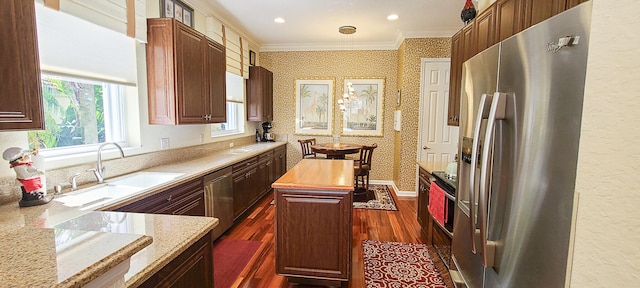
164 143
230 144
201 138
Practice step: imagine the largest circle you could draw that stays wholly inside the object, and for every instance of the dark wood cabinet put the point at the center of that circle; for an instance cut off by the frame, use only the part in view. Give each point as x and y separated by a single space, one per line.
456 76
184 199
502 19
537 11
279 162
424 184
259 94
266 174
192 268
509 20
485 27
325 214
245 178
185 75
21 104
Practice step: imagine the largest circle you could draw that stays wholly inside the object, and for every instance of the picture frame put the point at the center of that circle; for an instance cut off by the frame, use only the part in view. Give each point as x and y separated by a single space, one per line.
252 58
364 114
314 106
178 10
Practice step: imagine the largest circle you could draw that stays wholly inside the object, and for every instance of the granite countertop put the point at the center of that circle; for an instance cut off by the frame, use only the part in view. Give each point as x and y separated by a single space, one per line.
57 246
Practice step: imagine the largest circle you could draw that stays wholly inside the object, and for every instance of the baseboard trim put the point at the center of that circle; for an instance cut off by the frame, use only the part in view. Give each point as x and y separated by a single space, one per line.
395 188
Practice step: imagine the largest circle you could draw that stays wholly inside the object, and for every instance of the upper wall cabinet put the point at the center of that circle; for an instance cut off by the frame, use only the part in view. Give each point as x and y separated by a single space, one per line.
185 74
21 105
501 20
259 94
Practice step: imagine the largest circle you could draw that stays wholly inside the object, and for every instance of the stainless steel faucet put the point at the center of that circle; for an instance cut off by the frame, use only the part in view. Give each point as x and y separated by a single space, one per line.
99 170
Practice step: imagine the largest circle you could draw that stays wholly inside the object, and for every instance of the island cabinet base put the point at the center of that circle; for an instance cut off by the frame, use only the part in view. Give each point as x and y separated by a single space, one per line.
192 268
313 236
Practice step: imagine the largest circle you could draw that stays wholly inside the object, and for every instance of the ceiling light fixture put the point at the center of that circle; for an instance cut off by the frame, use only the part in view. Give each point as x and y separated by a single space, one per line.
392 17
279 20
349 92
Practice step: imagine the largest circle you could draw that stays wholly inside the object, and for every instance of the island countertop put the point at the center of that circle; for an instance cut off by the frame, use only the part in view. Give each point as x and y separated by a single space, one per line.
318 174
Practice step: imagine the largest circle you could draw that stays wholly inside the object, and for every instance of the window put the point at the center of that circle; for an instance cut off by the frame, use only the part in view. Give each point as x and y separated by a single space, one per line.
235 108
79 112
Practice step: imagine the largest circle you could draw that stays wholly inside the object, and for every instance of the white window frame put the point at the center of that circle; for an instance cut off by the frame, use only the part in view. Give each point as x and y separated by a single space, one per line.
234 95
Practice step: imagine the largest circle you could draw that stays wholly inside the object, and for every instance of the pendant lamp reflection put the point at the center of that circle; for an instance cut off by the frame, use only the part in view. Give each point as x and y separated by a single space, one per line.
468 13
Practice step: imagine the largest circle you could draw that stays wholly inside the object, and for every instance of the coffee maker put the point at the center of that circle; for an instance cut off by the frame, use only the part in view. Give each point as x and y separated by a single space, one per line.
266 135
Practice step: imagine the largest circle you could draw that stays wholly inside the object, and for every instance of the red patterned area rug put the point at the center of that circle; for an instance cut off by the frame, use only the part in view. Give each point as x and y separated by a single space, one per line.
395 265
230 256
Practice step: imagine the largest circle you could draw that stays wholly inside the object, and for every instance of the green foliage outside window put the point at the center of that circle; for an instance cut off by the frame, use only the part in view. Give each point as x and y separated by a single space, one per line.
74 114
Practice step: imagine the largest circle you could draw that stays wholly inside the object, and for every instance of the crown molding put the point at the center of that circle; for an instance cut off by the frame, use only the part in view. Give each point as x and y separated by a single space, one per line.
394 45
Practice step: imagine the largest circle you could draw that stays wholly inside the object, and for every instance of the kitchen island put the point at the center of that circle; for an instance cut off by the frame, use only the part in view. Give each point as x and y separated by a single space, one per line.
313 222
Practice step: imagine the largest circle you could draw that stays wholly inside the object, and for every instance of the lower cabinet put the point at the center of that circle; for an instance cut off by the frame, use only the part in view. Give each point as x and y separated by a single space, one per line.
245 179
192 268
313 236
184 199
424 184
279 162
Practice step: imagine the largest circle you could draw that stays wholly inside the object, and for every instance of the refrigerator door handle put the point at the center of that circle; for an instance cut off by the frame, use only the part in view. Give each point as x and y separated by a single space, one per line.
482 113
497 112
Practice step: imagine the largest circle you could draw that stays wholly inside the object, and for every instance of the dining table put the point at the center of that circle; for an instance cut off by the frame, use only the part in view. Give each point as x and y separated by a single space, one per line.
336 150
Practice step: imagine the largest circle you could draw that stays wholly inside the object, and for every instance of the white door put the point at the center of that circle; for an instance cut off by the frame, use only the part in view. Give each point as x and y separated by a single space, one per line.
438 142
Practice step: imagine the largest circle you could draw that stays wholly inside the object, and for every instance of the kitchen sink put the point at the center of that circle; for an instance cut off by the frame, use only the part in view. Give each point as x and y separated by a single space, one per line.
240 150
144 179
115 190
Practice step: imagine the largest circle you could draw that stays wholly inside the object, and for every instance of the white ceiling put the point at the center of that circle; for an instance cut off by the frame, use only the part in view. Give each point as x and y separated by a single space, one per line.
313 24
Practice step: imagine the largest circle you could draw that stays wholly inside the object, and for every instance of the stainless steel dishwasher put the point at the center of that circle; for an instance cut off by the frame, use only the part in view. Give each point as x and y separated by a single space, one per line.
218 199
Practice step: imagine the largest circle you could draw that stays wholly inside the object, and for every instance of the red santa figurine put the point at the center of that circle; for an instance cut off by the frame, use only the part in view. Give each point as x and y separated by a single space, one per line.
33 191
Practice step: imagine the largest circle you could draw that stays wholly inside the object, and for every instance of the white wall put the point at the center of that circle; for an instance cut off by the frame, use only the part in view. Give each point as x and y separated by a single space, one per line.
607 230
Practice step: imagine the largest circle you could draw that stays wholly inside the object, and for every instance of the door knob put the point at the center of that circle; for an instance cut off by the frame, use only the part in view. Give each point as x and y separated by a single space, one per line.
425 147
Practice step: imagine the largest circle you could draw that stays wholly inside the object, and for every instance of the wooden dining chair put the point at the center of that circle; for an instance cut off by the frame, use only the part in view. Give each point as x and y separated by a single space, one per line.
305 146
361 169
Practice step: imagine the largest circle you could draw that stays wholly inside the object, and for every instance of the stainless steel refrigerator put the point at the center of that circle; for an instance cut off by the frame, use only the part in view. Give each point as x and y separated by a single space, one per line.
520 118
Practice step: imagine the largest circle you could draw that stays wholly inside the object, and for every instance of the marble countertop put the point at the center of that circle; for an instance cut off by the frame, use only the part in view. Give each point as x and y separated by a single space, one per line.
48 244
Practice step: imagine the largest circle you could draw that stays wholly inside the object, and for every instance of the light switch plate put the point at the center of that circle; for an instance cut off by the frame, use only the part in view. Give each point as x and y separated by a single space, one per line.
164 143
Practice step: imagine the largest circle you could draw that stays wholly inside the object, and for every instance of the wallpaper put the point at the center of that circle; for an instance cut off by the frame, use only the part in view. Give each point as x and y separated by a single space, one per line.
395 157
337 65
412 51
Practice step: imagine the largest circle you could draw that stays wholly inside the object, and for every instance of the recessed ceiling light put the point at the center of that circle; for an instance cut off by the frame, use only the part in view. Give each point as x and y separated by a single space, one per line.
279 20
392 17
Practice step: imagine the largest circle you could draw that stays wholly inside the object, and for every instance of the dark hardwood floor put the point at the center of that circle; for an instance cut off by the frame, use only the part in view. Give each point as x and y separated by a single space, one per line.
393 226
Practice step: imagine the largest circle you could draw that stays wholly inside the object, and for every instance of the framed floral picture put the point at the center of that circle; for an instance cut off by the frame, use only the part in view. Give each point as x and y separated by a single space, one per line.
178 10
363 113
314 106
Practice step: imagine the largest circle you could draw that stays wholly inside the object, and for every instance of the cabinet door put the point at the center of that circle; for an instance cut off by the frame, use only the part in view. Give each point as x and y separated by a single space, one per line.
216 70
456 76
468 43
259 94
193 105
484 26
279 162
21 105
537 11
325 254
508 18
192 268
